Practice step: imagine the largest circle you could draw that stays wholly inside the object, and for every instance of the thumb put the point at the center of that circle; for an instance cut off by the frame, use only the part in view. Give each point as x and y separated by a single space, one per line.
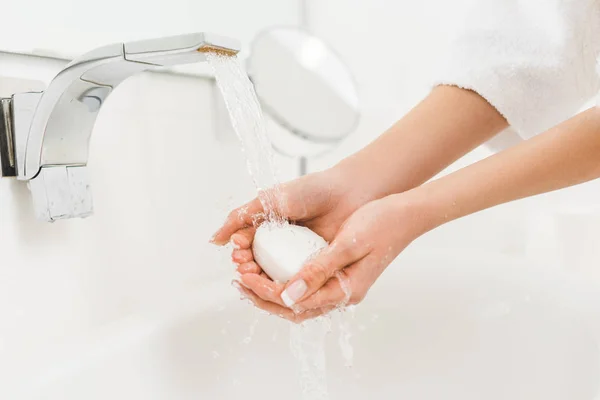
316 272
246 216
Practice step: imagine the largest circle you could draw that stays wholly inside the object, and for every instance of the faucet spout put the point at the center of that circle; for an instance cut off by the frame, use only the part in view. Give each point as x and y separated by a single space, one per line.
65 115
53 129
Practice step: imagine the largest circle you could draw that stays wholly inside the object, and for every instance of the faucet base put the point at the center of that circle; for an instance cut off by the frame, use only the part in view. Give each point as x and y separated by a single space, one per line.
16 114
58 192
7 151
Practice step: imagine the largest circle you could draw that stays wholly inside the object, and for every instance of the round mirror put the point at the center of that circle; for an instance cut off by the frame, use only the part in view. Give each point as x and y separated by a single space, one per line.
305 88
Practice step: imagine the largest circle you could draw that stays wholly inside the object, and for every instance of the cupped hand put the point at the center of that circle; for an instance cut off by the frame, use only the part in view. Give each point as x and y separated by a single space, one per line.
320 201
359 251
342 274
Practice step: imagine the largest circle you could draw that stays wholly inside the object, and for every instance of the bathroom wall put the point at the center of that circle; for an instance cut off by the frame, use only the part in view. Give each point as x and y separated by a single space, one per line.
394 49
166 170
66 28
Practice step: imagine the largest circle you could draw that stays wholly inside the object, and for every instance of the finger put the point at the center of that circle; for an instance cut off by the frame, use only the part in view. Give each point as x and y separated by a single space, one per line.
280 311
330 295
341 253
243 238
264 288
347 287
242 256
240 218
268 306
249 268
311 314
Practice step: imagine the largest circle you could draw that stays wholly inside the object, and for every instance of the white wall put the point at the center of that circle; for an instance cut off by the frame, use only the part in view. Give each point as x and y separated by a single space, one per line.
68 28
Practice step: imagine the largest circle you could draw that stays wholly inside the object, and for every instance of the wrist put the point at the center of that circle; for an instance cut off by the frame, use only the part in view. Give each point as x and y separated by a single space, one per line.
356 187
423 211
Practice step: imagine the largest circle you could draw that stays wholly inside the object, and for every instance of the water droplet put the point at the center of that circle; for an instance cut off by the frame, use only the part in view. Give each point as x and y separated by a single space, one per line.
307 342
346 288
344 342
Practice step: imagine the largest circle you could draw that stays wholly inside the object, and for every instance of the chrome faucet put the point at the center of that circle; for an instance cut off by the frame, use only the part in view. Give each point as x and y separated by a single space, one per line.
45 136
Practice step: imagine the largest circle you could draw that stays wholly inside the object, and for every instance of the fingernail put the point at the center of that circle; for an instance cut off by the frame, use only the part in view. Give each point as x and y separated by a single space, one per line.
294 292
240 240
296 309
234 244
213 238
242 284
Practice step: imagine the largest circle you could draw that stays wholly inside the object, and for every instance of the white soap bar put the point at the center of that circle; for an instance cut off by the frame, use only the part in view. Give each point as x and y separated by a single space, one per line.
282 250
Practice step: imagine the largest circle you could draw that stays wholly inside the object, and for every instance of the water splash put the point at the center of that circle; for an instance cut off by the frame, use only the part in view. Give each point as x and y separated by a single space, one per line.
346 288
345 329
345 335
249 125
307 342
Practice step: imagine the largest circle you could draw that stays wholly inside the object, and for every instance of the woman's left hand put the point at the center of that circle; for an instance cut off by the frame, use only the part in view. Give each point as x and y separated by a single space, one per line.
343 272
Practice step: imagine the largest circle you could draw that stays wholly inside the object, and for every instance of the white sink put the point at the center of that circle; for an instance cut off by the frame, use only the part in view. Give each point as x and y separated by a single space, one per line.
433 328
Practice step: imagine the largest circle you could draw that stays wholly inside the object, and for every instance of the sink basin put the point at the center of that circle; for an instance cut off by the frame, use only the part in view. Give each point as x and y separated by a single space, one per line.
432 328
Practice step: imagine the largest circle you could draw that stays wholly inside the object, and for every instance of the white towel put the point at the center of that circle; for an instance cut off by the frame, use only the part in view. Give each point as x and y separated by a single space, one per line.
534 60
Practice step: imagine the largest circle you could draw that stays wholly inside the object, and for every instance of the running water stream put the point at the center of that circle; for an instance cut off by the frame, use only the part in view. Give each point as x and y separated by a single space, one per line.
307 341
249 125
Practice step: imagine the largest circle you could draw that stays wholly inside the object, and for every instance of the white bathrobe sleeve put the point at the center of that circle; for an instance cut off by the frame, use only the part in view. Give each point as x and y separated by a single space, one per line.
533 60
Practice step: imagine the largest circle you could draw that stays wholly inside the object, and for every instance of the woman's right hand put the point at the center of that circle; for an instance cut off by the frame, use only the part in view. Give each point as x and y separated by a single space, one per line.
321 201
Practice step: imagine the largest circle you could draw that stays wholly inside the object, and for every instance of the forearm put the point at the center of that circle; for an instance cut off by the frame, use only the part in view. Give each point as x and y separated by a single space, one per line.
449 123
566 155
